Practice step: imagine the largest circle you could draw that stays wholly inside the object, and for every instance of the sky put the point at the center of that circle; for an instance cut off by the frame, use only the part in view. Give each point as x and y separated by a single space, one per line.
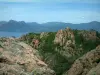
42 11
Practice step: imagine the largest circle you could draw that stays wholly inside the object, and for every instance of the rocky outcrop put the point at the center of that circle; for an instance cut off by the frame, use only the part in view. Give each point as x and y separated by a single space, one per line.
66 40
35 43
95 70
43 34
18 58
89 64
88 35
63 36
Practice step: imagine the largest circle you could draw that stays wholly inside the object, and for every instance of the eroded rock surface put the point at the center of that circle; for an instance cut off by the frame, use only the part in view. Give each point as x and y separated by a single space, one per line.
18 58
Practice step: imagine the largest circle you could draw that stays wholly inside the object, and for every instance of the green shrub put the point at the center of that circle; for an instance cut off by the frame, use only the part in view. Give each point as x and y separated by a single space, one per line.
30 36
0 46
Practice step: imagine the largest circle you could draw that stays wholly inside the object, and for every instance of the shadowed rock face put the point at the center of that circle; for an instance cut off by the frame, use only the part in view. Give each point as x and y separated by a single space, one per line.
19 58
87 64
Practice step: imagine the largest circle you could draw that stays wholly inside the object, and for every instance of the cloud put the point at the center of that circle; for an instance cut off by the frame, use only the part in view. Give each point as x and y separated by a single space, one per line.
67 1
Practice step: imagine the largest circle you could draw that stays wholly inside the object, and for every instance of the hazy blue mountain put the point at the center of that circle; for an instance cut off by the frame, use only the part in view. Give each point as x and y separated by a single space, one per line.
21 26
60 25
2 22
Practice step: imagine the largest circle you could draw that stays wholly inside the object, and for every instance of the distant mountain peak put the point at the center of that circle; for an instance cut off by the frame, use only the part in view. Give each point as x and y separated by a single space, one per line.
12 21
94 22
22 21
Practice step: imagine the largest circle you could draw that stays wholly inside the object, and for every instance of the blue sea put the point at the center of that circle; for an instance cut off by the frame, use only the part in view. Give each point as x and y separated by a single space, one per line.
10 34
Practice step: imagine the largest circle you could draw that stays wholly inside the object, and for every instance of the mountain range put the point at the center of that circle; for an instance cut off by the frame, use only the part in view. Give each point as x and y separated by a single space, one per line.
21 26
